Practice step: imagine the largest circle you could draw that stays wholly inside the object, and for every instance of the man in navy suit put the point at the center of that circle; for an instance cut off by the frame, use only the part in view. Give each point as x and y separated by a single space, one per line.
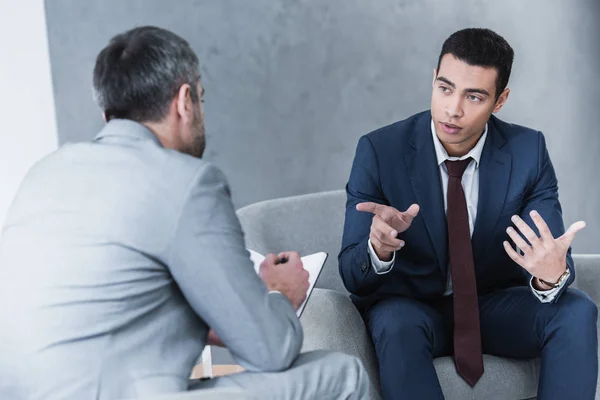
454 242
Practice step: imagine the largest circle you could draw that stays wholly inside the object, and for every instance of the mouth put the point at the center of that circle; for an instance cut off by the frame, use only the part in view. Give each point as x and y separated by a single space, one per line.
450 129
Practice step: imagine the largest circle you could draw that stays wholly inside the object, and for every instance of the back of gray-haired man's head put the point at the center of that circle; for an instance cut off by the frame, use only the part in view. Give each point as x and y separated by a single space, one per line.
140 71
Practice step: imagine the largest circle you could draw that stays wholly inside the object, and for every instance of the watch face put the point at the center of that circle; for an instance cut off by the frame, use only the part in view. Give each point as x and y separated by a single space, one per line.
562 278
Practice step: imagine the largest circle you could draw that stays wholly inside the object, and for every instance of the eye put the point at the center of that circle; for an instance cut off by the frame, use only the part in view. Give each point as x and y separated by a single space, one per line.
474 98
444 89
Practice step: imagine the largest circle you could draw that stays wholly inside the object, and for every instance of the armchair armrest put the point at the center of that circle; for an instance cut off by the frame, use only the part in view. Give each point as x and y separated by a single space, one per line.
331 322
587 274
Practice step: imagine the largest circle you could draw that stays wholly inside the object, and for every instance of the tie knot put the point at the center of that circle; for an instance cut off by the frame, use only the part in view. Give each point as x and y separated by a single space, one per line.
456 169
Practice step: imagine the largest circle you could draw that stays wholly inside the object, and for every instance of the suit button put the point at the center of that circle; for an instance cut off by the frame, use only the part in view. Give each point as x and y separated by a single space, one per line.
363 267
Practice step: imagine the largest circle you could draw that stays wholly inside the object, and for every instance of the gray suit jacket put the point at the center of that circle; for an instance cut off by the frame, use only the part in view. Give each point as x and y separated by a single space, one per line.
115 259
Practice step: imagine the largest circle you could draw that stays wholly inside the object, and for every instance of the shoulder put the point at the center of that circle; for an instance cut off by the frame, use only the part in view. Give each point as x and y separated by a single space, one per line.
518 136
400 131
196 174
394 138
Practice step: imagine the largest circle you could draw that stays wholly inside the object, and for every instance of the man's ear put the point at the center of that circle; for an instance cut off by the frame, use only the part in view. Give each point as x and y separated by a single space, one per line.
434 76
501 100
104 116
184 103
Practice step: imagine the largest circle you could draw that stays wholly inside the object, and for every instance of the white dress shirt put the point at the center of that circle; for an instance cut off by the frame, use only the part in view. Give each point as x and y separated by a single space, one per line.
470 184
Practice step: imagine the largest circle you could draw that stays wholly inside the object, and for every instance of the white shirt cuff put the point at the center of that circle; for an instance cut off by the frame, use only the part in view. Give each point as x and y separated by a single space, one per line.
380 267
547 296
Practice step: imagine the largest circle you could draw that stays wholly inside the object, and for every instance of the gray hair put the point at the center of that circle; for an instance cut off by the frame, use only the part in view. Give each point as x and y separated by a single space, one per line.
140 71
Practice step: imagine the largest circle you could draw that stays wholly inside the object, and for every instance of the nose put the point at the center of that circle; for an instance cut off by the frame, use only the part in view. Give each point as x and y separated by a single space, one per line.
454 107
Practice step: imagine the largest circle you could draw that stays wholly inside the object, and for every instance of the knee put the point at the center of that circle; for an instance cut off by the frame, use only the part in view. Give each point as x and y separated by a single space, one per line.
577 310
354 373
409 330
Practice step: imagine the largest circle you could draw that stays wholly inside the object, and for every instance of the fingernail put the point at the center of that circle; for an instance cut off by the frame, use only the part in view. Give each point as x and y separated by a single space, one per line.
509 229
533 213
514 218
393 233
401 244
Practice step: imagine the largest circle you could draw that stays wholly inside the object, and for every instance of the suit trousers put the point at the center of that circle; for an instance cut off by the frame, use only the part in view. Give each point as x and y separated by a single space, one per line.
408 334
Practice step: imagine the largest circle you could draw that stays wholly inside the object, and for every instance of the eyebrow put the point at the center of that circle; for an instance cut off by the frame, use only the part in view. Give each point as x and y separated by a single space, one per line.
469 90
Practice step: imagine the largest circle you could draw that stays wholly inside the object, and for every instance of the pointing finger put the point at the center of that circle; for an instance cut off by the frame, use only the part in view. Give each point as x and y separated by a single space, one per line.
370 207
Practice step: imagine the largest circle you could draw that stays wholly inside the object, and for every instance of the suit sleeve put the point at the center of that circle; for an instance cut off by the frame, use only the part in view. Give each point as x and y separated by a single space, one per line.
211 266
544 199
355 266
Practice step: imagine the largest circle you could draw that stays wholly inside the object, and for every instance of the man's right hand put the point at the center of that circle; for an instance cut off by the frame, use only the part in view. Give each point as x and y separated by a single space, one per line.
289 278
387 224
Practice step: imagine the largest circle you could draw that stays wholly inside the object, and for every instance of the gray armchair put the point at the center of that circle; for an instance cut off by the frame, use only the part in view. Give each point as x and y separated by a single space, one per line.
314 222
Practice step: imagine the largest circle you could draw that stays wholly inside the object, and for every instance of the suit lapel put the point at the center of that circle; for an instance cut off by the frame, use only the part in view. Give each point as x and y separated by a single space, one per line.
494 177
421 163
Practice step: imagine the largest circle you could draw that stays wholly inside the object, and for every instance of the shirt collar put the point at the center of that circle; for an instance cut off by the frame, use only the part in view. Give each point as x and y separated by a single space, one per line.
442 154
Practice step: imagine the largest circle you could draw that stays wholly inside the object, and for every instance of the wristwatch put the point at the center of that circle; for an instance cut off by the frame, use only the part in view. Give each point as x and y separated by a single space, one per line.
562 278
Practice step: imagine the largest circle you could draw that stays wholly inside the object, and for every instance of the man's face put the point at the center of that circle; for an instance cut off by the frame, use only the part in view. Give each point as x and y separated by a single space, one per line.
463 98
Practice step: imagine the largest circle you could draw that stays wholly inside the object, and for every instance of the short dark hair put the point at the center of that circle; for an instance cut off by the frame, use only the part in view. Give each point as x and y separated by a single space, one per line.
140 71
484 48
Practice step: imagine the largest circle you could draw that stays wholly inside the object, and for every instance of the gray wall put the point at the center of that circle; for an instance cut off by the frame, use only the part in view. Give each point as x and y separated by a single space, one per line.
292 84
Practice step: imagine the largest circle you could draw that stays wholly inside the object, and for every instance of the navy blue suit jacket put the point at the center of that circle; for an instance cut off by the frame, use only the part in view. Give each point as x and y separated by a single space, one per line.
397 166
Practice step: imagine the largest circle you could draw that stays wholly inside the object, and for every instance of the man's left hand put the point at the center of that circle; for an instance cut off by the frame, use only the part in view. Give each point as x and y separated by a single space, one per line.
545 257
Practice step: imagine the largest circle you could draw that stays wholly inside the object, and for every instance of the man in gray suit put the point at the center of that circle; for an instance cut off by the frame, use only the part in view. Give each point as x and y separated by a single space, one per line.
119 256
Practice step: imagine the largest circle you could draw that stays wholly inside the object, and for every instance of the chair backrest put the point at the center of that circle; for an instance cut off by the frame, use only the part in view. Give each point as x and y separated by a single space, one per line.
315 222
307 224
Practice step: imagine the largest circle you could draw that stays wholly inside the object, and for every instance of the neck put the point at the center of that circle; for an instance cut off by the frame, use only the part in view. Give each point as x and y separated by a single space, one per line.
165 134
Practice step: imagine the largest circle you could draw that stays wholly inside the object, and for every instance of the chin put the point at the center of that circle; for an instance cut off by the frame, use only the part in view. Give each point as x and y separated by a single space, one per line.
198 148
453 139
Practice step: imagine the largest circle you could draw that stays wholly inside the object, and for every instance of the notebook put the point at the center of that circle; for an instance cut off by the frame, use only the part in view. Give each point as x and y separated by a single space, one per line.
312 263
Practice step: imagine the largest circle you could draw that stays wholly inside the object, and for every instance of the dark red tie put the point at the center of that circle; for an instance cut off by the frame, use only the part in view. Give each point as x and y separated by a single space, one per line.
467 338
